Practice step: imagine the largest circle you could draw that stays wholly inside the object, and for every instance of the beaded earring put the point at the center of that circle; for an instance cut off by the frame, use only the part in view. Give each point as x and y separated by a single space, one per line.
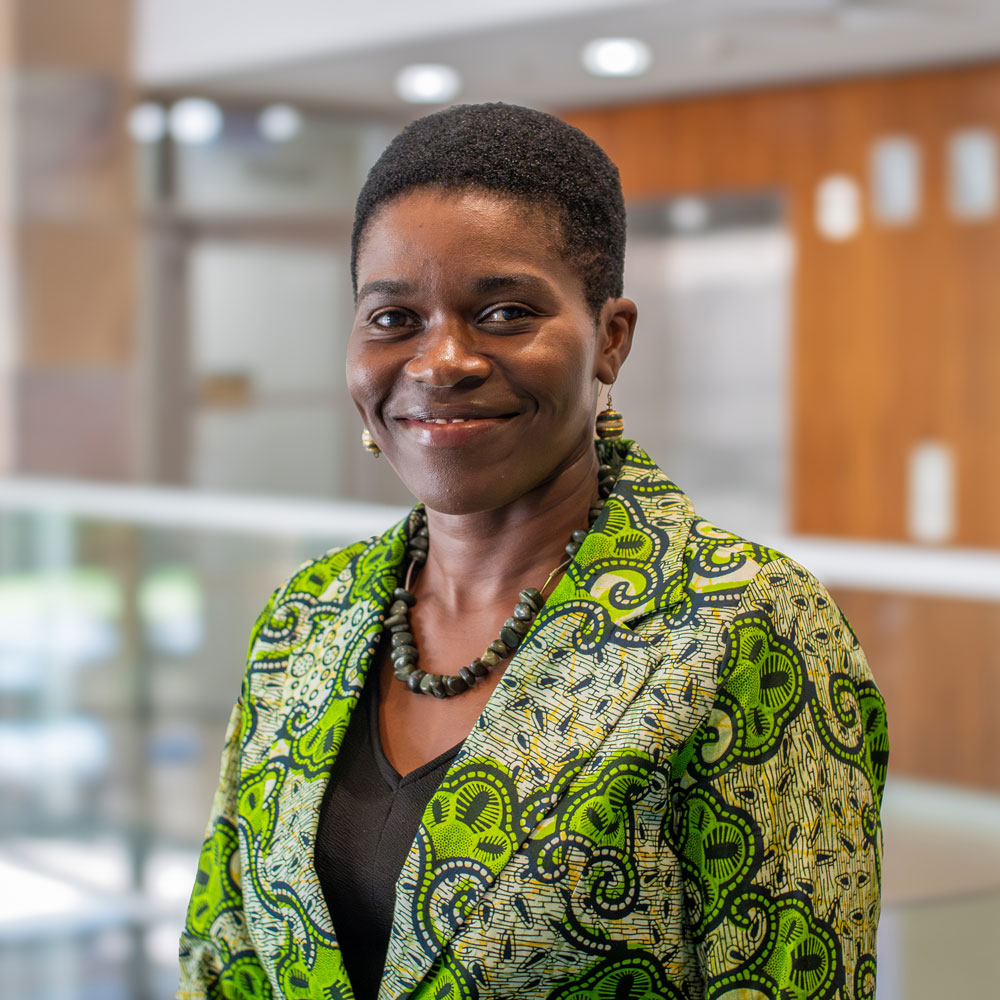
610 423
369 443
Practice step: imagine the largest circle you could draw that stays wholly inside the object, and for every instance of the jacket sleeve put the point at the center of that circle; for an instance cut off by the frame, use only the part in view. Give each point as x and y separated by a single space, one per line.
777 800
217 956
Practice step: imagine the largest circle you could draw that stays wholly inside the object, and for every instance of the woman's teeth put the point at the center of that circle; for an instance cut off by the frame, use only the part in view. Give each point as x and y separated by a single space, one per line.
441 420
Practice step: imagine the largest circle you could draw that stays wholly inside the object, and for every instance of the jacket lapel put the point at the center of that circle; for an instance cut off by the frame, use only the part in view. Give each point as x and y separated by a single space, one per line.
562 694
307 669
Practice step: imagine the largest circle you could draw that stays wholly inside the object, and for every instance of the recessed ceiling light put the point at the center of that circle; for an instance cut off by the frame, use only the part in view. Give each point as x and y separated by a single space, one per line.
428 83
616 57
195 121
279 122
147 122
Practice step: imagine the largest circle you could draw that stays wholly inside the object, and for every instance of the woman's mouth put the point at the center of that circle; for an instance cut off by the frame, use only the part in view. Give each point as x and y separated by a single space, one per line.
452 420
451 431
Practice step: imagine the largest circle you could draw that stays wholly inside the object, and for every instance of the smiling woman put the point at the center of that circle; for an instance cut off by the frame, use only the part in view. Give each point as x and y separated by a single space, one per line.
660 779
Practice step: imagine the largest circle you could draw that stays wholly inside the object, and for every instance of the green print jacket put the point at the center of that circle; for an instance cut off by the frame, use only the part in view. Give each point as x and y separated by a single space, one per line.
672 794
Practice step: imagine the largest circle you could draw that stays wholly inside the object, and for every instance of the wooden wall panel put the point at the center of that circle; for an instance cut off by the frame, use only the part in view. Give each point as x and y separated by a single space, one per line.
77 294
935 662
92 35
76 238
897 331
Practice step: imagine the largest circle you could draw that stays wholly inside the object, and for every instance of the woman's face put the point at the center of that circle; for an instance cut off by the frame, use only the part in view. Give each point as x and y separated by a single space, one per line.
474 358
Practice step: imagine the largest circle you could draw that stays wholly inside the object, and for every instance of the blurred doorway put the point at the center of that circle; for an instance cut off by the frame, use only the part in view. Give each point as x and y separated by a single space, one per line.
251 386
707 389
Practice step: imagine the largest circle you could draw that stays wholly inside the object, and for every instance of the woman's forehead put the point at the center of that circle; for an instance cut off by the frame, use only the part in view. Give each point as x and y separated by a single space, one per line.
425 227
463 208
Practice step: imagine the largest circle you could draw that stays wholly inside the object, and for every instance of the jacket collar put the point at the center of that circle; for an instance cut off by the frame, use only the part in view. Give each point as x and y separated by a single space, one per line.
637 545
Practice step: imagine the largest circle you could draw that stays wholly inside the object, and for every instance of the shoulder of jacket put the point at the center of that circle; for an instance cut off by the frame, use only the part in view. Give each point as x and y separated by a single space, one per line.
726 564
314 577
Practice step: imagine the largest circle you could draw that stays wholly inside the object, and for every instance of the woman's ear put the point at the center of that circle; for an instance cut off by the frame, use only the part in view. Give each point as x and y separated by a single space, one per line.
615 326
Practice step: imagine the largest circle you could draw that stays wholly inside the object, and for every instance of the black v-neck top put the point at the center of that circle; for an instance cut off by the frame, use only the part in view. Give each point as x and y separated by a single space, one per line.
369 819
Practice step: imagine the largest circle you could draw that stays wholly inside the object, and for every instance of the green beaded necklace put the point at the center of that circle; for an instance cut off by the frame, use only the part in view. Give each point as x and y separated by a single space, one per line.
403 650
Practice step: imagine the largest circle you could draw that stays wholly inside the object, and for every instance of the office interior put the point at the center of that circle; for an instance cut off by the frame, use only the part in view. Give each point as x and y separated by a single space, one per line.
813 190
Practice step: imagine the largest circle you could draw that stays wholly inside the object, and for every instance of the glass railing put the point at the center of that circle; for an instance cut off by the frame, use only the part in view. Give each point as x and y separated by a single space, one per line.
122 638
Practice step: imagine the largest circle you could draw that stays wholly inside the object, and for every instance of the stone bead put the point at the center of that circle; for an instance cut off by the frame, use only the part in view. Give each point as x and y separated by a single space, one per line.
532 596
404 671
402 594
478 668
610 424
401 639
399 608
572 549
401 627
419 542
393 620
579 535
467 675
516 625
510 638
523 611
501 648
490 659
418 556
595 513
405 654
437 686
426 682
414 680
455 685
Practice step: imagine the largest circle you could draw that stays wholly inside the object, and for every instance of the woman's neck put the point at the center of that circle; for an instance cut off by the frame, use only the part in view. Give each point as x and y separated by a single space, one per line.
485 557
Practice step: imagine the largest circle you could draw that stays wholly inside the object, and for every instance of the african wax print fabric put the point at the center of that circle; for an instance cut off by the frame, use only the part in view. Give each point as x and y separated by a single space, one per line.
673 792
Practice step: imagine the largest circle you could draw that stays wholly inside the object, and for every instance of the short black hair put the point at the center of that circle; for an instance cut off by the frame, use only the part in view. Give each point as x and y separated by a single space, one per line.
520 153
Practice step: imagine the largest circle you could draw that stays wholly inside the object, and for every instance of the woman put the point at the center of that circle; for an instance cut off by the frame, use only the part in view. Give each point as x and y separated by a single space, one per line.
660 777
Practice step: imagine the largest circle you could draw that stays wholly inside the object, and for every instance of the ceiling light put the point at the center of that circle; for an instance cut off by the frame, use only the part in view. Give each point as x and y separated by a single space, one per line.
195 121
279 122
616 57
428 83
147 122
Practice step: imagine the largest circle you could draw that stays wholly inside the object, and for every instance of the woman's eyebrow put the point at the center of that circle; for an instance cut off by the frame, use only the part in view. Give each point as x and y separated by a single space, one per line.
512 282
385 286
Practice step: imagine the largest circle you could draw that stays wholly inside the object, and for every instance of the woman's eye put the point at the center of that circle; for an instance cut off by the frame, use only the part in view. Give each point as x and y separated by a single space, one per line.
505 314
391 319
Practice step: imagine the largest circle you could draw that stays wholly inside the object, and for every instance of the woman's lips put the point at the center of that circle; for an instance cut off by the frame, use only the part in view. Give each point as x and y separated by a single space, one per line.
451 431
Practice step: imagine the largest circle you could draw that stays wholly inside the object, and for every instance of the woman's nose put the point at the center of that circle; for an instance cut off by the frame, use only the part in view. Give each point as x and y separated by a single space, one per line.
448 357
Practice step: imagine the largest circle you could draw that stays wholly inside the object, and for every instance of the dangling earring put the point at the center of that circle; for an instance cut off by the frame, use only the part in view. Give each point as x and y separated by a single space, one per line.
369 443
610 423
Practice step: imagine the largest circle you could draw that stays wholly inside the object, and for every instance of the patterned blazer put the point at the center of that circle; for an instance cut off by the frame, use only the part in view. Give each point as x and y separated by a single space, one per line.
673 792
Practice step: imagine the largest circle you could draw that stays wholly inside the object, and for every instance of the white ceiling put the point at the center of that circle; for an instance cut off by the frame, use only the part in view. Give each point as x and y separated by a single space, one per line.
527 51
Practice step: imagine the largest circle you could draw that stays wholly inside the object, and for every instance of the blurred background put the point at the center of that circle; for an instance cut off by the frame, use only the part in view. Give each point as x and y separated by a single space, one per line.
813 188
